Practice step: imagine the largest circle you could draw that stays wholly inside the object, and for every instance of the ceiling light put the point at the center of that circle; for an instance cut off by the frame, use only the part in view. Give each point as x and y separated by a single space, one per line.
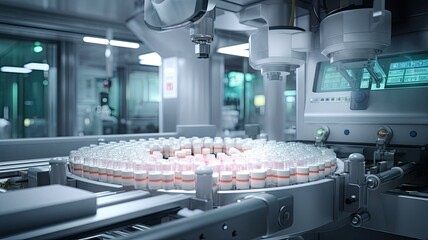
117 43
236 50
95 40
37 66
152 59
15 69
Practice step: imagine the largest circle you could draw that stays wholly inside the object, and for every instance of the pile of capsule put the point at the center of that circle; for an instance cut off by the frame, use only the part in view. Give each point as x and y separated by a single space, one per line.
237 163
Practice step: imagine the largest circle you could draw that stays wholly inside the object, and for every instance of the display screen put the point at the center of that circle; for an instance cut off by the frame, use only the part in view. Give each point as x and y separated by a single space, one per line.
330 79
398 71
409 72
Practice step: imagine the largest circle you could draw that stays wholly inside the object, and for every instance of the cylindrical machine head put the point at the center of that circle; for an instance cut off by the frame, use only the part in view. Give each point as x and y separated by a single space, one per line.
355 35
202 50
356 157
279 49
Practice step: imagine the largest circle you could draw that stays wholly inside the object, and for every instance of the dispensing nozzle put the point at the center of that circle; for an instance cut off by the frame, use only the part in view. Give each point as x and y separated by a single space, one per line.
202 34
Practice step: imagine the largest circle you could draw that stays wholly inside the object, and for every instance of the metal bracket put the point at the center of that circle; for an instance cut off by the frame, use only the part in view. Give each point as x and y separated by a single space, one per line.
383 138
280 214
354 198
376 76
202 204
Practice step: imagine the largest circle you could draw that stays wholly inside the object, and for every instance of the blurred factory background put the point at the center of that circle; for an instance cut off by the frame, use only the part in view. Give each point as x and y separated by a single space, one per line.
83 88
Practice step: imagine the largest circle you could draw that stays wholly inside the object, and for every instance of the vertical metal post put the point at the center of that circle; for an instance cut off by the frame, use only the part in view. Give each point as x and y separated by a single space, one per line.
204 189
274 113
67 91
58 171
52 96
217 91
357 168
123 107
245 70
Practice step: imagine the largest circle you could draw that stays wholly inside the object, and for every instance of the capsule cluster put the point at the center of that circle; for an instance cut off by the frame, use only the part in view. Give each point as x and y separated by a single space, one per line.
237 163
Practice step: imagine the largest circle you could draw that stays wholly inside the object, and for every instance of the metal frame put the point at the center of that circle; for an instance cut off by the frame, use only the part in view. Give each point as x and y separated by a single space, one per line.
397 213
66 107
313 203
58 26
316 198
107 216
265 214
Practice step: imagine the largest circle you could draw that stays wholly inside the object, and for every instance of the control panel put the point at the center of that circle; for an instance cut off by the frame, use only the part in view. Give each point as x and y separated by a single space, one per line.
324 97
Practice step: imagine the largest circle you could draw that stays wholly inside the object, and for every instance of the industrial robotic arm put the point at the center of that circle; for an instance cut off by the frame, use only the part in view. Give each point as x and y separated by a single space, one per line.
199 16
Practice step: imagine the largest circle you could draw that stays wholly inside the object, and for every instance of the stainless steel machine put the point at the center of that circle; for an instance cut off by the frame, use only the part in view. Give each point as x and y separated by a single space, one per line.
362 89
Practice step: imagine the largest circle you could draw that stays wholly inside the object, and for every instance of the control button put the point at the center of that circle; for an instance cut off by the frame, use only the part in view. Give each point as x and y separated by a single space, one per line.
322 99
413 134
359 97
382 133
327 99
320 132
338 99
332 99
346 132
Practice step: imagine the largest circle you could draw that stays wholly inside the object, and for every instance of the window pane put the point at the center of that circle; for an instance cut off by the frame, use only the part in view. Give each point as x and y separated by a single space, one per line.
143 101
27 78
97 96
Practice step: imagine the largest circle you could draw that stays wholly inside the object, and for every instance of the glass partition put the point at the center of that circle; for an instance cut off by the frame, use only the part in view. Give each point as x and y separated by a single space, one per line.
244 100
28 75
143 100
127 102
242 92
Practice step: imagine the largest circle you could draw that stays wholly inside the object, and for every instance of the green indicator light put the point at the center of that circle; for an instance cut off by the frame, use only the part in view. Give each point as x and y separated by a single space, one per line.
37 47
320 132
